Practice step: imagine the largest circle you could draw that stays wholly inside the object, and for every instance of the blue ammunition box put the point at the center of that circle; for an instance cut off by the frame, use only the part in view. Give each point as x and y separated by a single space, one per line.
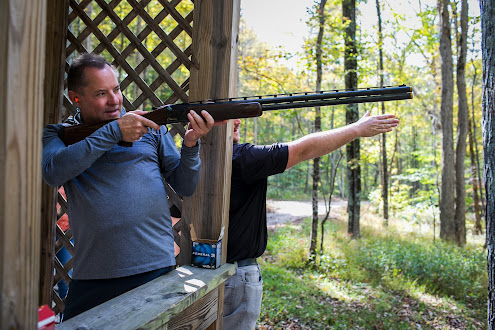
206 253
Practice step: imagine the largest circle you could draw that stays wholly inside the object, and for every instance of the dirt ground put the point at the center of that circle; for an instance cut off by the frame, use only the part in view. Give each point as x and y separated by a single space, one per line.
281 212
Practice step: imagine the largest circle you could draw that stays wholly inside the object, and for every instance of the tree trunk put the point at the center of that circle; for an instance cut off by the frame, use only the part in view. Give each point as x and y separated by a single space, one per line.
462 122
384 167
488 122
415 185
330 194
447 194
476 149
316 161
474 181
473 155
351 116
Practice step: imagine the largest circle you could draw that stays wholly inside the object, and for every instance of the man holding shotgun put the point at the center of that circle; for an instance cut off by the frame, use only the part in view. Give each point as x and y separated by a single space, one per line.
117 204
247 238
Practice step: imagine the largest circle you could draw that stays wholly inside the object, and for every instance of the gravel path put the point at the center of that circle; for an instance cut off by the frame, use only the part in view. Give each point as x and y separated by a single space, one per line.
280 212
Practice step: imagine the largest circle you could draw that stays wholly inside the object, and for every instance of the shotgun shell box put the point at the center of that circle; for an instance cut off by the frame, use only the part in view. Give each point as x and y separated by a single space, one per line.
206 253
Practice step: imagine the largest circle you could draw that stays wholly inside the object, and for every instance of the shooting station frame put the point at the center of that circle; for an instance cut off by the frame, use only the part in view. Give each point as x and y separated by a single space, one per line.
39 39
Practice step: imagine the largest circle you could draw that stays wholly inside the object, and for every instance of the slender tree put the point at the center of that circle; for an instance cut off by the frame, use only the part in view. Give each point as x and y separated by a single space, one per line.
488 122
384 166
351 116
462 129
475 141
473 155
317 128
447 193
474 179
335 166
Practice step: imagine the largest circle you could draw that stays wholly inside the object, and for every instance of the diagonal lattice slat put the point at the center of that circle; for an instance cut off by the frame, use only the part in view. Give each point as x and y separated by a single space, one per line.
144 52
118 58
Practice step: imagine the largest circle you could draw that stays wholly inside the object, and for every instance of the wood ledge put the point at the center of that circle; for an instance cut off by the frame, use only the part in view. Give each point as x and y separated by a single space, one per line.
153 304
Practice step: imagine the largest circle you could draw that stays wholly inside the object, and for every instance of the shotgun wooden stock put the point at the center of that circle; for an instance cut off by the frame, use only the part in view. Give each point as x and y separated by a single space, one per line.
169 114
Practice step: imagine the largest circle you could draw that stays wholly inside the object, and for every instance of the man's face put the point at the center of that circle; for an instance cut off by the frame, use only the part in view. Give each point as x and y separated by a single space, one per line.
101 99
237 125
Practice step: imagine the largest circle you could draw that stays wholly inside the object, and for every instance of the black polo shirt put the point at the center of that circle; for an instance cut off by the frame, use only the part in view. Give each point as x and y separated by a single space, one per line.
251 166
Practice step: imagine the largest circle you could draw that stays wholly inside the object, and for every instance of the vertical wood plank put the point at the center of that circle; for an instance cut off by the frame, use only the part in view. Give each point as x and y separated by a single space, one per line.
22 43
215 38
215 51
56 34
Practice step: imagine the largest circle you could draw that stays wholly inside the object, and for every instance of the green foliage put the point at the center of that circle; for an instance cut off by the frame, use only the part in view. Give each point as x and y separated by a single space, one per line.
411 57
383 280
442 268
292 254
414 194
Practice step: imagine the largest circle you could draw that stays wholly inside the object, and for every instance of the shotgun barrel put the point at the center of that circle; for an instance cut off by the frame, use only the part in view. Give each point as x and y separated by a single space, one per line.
323 98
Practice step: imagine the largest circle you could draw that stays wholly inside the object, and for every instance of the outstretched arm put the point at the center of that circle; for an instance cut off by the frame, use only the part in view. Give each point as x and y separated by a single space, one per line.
321 143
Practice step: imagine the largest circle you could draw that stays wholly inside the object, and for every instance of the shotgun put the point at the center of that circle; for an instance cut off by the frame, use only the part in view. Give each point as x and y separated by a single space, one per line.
251 106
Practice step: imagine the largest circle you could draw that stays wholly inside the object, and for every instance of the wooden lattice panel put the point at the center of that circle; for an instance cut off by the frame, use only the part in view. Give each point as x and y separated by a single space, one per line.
149 43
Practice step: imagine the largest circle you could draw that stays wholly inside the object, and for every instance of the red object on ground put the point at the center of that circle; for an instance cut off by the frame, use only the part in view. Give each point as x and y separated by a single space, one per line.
46 318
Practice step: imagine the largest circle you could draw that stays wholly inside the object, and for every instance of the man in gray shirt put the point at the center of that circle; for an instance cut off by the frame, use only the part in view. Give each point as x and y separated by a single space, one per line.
117 204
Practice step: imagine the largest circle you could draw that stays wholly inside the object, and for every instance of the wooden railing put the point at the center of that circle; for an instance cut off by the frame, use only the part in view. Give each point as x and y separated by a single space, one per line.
185 298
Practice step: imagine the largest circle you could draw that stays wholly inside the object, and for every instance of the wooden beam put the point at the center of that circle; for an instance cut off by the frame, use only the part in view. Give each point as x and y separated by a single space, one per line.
214 42
56 34
215 51
22 43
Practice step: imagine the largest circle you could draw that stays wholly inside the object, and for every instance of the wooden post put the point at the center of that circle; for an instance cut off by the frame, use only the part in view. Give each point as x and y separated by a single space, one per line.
56 34
22 43
215 37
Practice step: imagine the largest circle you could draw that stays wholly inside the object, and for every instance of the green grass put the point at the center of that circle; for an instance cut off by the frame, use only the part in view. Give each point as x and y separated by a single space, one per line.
384 280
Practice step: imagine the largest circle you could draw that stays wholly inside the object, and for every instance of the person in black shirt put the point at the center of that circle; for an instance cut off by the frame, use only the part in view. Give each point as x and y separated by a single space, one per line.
247 237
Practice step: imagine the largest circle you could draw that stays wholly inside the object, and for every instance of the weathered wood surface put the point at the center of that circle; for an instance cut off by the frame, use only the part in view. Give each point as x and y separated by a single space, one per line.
154 304
215 50
199 315
56 29
22 44
215 38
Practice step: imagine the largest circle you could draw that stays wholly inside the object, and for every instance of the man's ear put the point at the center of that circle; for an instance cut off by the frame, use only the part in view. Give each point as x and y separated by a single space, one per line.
74 97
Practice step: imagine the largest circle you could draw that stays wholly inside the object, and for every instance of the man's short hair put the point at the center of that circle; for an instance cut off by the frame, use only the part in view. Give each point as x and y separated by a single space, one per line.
75 77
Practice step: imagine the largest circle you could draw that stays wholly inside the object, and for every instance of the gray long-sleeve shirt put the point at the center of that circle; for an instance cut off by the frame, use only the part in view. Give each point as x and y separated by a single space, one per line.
117 204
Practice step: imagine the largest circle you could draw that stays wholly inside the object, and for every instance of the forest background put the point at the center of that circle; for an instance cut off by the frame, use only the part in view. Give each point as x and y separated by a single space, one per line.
412 57
402 268
408 41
